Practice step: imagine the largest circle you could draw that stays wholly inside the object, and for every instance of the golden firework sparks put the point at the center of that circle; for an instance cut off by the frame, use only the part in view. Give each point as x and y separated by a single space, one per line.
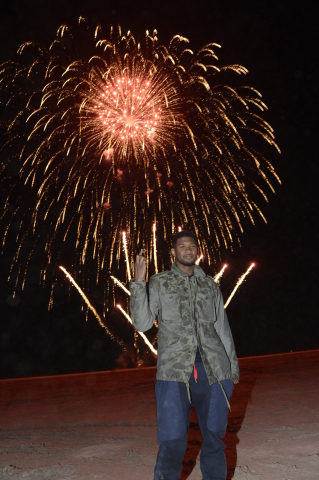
154 248
97 316
120 284
129 112
146 340
88 303
199 260
132 135
219 275
239 282
128 268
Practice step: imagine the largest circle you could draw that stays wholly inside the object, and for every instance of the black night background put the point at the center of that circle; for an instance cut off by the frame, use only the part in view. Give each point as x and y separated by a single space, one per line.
276 309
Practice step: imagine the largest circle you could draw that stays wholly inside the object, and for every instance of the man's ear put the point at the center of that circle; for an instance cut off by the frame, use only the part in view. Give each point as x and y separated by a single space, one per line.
173 252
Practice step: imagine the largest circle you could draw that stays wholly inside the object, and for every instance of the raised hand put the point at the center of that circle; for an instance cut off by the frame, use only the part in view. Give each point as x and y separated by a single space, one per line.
140 267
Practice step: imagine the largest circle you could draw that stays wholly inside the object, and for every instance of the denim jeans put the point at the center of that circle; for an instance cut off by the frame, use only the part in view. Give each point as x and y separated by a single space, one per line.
173 411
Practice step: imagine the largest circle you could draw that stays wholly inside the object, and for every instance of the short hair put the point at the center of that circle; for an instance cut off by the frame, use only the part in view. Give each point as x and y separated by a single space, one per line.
184 233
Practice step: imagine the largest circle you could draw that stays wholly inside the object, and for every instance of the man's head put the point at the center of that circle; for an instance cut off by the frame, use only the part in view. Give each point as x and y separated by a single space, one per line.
185 248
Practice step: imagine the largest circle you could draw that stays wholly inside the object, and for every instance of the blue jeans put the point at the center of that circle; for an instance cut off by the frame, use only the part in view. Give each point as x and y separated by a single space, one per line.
173 411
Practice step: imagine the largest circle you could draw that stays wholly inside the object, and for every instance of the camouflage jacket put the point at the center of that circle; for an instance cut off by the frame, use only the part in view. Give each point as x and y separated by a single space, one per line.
190 313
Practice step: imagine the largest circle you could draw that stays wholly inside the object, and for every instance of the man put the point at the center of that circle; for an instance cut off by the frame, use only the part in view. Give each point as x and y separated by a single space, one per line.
197 363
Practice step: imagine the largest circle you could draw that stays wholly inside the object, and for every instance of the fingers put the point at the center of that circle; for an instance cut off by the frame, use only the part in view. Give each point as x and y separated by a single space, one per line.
140 267
139 258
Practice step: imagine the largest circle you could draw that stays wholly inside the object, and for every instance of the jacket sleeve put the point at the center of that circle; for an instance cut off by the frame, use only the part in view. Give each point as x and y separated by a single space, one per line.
144 308
224 332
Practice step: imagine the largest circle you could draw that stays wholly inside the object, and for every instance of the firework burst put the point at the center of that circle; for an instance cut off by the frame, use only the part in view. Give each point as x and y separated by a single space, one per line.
110 134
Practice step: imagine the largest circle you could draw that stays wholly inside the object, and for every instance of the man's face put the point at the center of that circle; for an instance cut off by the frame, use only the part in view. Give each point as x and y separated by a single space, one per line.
185 251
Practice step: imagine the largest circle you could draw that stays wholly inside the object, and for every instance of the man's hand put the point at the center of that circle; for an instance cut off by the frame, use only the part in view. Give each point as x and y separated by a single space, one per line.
234 381
140 267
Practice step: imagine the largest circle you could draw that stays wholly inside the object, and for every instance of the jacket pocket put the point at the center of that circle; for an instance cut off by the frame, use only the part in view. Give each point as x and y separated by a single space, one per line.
205 307
171 307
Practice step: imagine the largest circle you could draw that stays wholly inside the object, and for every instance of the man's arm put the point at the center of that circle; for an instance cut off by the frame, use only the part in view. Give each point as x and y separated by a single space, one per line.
224 332
144 310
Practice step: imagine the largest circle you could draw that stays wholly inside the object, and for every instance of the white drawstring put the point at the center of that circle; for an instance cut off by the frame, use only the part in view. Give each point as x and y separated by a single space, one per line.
225 394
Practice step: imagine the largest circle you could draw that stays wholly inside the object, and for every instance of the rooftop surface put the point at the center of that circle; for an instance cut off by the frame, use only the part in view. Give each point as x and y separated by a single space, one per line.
103 425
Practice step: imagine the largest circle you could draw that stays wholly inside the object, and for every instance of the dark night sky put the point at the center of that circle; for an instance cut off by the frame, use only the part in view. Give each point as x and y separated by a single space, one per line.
276 310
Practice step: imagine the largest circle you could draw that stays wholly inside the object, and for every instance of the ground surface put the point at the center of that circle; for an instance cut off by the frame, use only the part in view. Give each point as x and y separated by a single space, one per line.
103 425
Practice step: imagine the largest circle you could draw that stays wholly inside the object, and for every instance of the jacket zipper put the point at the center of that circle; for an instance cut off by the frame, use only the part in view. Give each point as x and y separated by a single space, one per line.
194 330
199 345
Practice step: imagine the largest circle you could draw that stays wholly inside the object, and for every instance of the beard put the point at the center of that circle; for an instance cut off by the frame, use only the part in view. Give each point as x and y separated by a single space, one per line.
186 263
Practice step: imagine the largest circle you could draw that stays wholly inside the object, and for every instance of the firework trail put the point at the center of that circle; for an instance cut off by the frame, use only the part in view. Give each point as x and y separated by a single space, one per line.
90 306
199 260
219 275
239 282
108 134
128 268
146 340
88 303
120 284
154 247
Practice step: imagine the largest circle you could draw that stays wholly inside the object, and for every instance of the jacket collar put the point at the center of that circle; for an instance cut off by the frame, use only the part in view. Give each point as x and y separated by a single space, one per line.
198 272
